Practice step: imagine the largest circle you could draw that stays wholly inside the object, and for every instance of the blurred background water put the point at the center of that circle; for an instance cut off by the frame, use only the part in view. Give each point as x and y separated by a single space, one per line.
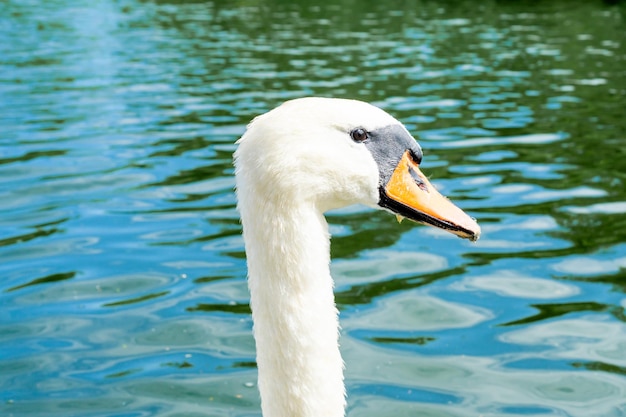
122 271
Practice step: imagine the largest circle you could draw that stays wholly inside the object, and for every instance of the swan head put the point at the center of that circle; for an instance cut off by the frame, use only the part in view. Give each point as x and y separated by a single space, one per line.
336 152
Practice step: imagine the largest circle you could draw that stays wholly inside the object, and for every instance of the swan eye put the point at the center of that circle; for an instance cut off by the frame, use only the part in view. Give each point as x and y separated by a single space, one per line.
358 135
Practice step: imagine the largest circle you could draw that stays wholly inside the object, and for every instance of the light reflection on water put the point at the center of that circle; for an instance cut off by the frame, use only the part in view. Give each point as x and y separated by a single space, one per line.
123 274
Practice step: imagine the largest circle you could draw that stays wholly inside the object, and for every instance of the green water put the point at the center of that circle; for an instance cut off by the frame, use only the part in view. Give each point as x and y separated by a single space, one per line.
122 271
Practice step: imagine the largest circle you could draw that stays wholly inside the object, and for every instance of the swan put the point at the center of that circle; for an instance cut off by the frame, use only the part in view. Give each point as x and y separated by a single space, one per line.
292 164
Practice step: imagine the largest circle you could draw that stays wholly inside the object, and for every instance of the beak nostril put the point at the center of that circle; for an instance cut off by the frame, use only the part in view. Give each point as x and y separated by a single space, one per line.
418 180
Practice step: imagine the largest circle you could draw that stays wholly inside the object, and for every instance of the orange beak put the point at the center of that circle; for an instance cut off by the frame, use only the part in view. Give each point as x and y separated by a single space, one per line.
409 194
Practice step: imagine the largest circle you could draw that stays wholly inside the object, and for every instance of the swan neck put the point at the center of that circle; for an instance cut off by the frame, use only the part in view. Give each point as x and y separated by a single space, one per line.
293 308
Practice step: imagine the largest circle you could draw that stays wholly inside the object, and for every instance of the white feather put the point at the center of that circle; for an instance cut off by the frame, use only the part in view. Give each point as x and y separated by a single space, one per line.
293 164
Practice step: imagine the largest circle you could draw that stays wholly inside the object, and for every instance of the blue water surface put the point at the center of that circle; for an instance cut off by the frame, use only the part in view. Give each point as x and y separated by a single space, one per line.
122 269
